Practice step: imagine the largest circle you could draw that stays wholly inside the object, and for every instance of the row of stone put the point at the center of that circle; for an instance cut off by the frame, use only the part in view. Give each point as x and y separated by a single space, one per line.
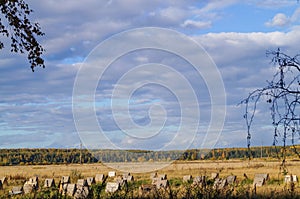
78 190
259 180
81 188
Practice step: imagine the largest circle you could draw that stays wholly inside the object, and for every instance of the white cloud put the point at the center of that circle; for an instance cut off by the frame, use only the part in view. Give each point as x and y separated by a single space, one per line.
217 5
196 24
271 4
280 20
41 101
173 14
296 15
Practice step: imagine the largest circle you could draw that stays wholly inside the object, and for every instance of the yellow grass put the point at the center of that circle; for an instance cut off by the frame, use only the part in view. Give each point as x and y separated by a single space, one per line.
175 170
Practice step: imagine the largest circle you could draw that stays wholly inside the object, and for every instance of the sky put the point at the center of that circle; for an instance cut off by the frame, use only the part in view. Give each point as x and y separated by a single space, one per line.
105 87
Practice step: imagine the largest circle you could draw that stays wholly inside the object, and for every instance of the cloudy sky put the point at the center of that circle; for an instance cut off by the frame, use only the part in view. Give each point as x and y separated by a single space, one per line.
150 98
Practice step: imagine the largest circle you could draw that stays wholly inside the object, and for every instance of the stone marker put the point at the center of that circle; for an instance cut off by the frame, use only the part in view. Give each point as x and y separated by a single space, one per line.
187 178
231 179
4 181
258 181
290 178
34 181
90 180
81 192
214 176
99 178
65 180
146 188
122 182
199 180
159 178
162 184
294 178
71 188
31 185
16 190
28 187
262 175
129 178
82 183
220 183
287 178
111 187
111 174
162 176
49 182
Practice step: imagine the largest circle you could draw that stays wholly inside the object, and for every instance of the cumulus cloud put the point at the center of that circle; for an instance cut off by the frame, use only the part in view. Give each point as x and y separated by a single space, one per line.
244 67
279 19
38 106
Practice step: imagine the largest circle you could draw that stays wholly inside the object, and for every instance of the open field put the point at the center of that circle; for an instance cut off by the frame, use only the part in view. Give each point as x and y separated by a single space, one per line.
174 171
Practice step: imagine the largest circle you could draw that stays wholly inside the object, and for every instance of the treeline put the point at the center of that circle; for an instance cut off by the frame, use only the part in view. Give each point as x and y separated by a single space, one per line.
44 156
69 156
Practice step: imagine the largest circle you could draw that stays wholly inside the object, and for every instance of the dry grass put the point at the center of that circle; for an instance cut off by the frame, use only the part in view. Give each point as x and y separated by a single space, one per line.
176 170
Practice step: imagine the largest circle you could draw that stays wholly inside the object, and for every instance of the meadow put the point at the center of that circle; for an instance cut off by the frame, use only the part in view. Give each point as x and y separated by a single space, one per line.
275 187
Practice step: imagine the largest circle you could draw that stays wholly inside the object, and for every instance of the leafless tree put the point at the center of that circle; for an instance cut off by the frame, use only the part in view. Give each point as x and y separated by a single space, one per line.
282 94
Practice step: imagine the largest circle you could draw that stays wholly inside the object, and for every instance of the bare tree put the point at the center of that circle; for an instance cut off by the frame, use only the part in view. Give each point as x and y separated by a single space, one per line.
16 26
282 94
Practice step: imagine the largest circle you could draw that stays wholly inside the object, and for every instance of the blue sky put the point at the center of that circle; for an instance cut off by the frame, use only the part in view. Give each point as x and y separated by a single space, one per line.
36 108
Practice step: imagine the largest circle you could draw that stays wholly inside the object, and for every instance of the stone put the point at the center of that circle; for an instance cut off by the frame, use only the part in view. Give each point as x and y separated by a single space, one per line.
220 183
4 181
162 184
287 178
129 178
290 178
258 181
214 176
111 174
122 182
231 179
294 178
28 187
199 180
82 182
65 180
81 192
162 177
100 178
111 187
71 188
187 178
16 190
90 180
262 175
49 182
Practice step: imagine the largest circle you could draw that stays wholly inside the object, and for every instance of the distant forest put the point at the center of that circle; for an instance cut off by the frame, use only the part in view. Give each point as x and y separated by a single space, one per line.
68 156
